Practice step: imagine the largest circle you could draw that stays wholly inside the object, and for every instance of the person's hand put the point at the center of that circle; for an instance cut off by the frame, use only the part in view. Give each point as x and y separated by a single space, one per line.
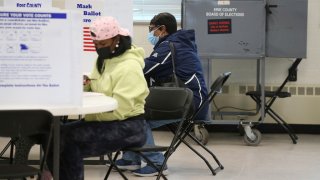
86 80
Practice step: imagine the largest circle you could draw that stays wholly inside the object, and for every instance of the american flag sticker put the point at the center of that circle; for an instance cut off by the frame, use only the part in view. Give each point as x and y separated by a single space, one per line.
87 41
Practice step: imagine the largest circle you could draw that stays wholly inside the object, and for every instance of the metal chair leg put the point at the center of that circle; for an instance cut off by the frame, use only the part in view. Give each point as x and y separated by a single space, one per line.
112 164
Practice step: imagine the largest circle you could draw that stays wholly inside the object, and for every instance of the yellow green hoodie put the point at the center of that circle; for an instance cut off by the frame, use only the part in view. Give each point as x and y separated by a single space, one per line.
123 80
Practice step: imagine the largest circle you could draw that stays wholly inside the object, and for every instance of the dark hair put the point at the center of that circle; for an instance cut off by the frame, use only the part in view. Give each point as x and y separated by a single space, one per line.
165 19
124 44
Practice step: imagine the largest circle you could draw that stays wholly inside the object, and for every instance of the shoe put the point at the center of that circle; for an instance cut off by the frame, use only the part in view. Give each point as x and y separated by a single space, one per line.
127 165
149 171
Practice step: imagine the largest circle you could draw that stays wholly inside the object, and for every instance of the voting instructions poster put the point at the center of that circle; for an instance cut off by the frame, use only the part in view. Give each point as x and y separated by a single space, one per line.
39 58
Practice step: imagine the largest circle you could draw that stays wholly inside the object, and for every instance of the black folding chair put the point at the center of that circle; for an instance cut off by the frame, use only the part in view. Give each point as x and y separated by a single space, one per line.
273 95
20 123
163 103
215 88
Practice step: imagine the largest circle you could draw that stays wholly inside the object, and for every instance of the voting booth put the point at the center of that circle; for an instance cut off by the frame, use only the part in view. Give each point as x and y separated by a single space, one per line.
247 28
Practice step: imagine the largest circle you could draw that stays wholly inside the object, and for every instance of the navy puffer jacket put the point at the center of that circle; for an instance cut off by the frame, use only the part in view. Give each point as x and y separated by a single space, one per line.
158 66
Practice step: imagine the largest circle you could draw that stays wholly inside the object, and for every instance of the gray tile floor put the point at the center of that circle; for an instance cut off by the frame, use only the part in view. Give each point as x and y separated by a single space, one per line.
276 158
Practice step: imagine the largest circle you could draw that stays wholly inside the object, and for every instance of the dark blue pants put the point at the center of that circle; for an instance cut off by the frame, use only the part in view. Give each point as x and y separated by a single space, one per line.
83 139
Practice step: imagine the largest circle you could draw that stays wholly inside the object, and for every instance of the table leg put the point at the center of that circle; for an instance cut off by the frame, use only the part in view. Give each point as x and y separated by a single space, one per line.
56 148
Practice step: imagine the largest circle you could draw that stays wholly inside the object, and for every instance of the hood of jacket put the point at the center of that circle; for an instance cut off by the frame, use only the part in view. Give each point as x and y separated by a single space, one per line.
184 37
135 53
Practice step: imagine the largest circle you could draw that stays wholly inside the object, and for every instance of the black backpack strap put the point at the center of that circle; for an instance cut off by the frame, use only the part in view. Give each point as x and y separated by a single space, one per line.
173 56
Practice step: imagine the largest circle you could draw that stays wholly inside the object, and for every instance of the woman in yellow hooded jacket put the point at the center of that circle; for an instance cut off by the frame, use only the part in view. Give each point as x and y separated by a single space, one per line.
118 73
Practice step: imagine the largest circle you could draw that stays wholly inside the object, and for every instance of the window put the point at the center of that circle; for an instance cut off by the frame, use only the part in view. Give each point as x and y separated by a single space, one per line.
144 10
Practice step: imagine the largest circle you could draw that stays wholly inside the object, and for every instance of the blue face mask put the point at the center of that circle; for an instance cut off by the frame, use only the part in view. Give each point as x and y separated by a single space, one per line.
152 38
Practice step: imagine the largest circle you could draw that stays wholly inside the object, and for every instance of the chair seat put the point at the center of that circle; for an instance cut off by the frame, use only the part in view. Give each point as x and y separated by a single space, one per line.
269 94
147 148
17 171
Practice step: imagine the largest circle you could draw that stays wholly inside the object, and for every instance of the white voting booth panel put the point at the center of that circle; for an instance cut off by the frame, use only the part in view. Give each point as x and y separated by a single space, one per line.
39 59
91 9
88 11
44 50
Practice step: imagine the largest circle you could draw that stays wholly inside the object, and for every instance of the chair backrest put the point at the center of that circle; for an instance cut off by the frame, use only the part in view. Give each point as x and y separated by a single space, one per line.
219 82
215 88
165 103
17 123
291 72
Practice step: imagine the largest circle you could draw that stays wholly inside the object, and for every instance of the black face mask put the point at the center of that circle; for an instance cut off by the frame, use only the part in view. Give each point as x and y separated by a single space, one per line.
104 53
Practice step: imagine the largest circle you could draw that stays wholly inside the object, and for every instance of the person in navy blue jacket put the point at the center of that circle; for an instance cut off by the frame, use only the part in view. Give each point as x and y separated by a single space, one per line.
158 70
158 66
